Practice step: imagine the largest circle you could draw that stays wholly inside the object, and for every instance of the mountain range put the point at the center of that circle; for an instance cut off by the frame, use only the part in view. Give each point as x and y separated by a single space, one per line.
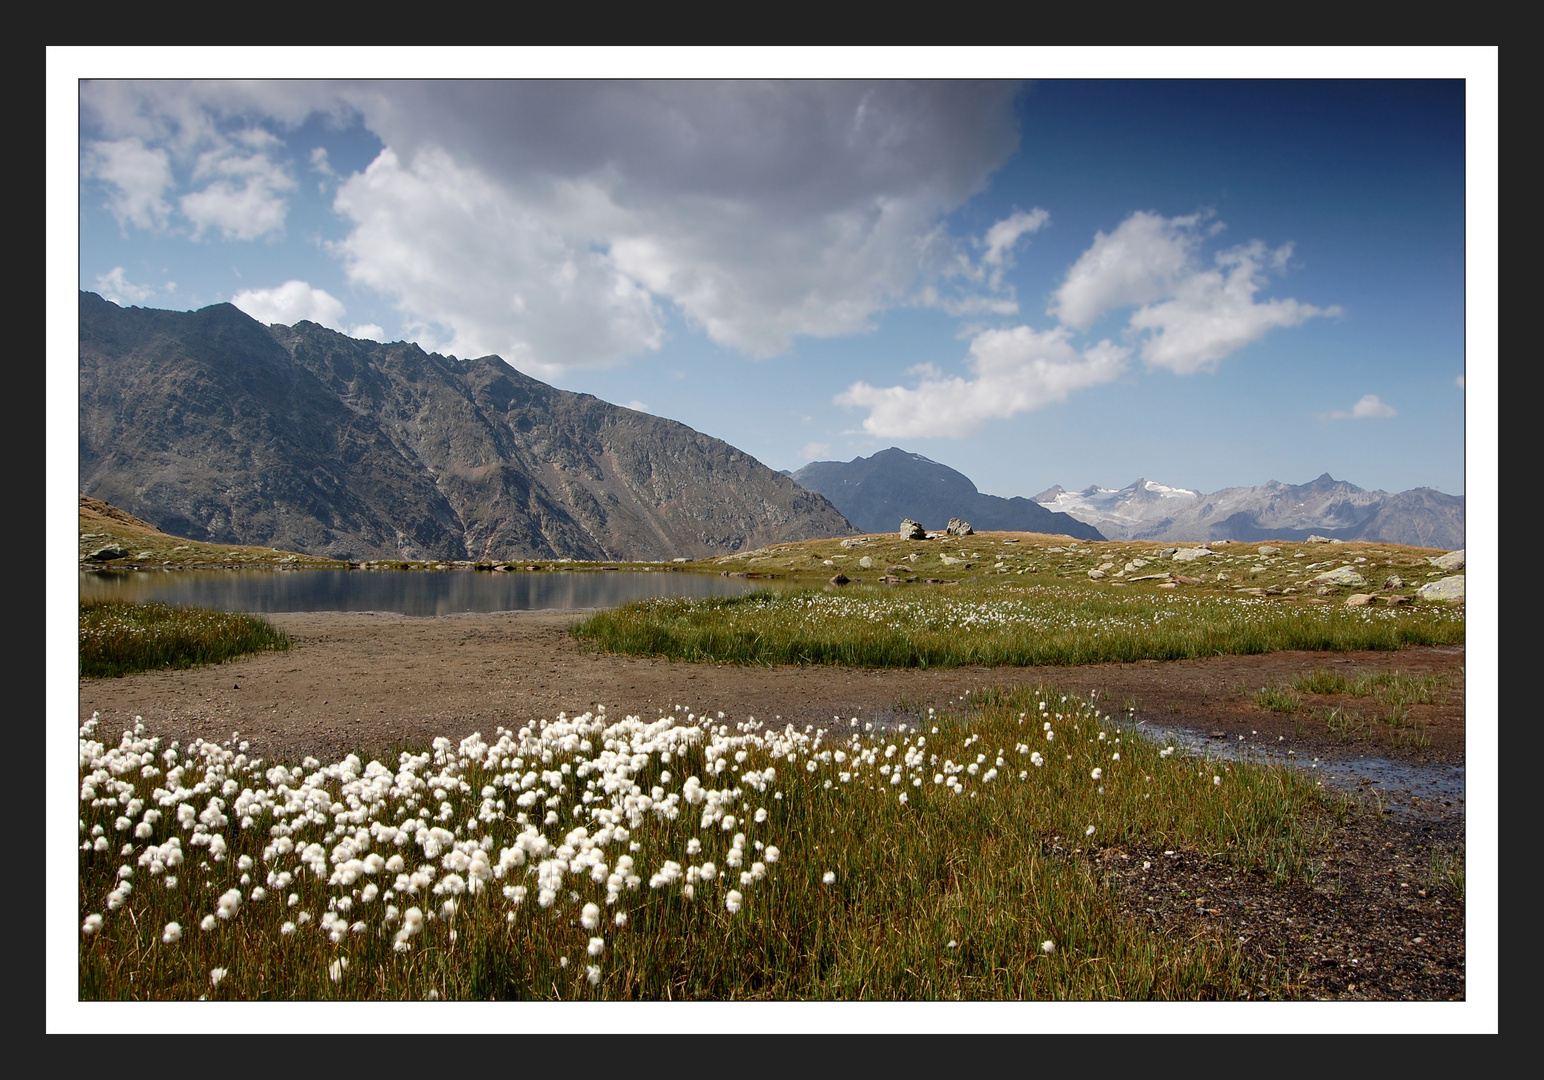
212 426
875 493
1146 510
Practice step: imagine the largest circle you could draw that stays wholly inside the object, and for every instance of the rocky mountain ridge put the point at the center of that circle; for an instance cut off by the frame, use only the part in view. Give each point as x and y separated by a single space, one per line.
211 426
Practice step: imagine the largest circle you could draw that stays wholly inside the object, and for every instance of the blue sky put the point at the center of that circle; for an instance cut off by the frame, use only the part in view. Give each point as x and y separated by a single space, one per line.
1208 283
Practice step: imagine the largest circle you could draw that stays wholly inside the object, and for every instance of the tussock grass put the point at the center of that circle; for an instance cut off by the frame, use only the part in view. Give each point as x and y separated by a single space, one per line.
889 883
1036 624
119 638
1277 699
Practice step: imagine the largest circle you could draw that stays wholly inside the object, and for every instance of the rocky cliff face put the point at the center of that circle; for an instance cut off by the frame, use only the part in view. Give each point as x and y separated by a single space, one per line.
215 427
876 492
1421 517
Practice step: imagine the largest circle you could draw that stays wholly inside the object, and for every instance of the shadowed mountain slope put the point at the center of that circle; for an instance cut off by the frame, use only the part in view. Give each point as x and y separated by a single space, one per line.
212 426
876 492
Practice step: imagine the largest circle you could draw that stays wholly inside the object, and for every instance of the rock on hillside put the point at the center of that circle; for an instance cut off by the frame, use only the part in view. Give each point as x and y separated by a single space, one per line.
214 427
876 492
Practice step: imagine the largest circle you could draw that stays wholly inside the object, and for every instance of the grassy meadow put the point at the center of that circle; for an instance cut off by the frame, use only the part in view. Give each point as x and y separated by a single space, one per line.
603 857
1023 599
120 638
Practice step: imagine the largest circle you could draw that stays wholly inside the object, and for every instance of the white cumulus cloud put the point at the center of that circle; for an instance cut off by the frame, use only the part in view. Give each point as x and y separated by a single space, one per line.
1212 313
1016 370
294 301
1368 407
1136 264
115 287
136 178
1190 317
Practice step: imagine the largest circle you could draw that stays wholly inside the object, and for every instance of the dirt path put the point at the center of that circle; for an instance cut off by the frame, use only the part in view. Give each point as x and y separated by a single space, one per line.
373 681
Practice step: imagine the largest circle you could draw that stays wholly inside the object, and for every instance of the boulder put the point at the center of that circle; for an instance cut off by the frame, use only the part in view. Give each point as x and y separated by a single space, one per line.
854 541
1317 539
1266 549
1095 575
108 552
1393 581
1344 575
840 579
1359 599
1192 554
1450 589
911 530
866 562
959 527
1453 560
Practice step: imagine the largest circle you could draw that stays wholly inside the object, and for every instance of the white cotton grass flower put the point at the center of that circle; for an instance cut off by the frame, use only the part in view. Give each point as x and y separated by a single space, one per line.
1088 831
172 934
828 878
733 901
207 924
1048 947
216 975
339 966
288 929
92 924
596 946
592 975
1217 781
1097 774
621 919
229 903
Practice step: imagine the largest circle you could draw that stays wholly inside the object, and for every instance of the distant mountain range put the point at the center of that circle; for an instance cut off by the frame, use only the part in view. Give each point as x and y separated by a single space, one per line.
212 426
1145 510
875 493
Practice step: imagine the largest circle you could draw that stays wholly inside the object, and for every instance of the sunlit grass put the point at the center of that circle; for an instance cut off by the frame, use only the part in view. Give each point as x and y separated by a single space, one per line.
1034 624
119 638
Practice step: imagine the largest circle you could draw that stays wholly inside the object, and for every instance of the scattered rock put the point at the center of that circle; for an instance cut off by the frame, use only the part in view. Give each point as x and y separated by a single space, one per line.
854 541
959 527
1183 580
1393 581
1191 554
950 560
911 530
1168 584
1359 599
1396 599
1450 589
1453 560
840 579
1095 575
1153 577
1267 549
866 562
1317 539
108 553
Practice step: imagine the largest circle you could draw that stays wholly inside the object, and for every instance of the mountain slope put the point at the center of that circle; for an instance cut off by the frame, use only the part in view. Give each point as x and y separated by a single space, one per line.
876 492
215 427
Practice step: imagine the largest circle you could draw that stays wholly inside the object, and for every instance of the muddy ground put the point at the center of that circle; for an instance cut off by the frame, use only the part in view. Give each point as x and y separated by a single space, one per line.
1383 918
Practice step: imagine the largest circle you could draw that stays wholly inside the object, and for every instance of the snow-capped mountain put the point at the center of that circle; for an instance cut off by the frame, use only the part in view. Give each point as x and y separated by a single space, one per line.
1147 510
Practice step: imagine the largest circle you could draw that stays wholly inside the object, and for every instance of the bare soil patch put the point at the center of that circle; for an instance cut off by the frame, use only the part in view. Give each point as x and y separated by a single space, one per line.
1377 921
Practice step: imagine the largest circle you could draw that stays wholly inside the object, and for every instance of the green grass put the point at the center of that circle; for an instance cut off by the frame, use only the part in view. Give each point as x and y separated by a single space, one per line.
1277 699
997 624
949 895
119 638
1394 688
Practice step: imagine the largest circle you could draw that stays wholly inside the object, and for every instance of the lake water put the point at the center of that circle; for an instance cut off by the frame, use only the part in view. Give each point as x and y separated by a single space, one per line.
406 592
